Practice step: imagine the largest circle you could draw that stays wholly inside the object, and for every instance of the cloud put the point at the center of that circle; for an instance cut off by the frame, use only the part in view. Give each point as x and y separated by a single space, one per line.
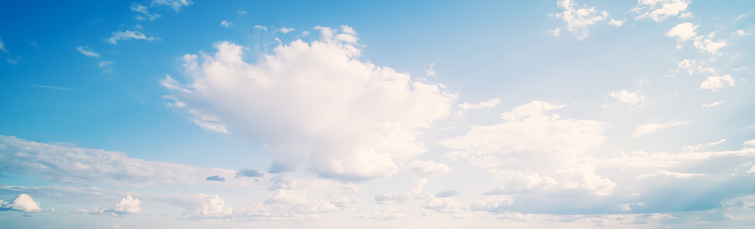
260 27
447 193
653 127
354 120
625 96
713 104
87 51
578 20
713 83
426 169
702 43
682 32
555 32
2 46
74 165
249 173
481 105
215 178
286 30
22 203
531 109
534 150
127 205
176 4
670 174
616 23
750 143
430 71
660 10
386 214
281 164
129 35
225 23
446 205
146 15
701 146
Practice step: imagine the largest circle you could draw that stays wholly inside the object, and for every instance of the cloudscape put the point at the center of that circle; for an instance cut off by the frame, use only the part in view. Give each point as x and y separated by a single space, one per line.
377 114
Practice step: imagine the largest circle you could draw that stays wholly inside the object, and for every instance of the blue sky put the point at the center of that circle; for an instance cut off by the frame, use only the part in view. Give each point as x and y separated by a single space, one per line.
293 114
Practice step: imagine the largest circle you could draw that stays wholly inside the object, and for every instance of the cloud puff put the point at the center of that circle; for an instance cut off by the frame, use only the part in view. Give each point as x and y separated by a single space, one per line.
129 35
682 32
481 105
353 119
73 165
625 96
146 15
225 23
22 202
653 127
534 150
713 83
616 23
660 10
127 205
578 20
176 4
87 51
286 30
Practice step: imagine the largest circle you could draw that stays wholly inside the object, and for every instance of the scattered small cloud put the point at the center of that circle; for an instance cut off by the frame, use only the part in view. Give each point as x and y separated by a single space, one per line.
176 4
129 35
578 20
653 127
225 23
430 71
713 104
633 98
616 23
87 51
660 10
286 30
240 12
555 32
714 83
145 14
304 33
51 87
260 27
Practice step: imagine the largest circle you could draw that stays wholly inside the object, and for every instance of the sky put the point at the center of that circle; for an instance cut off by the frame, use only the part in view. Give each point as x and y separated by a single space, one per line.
377 114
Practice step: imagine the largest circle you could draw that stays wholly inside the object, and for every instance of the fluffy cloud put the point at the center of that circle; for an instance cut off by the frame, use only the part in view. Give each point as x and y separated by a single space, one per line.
578 20
74 165
176 4
713 83
481 105
534 150
625 96
616 23
707 44
286 30
87 51
660 10
146 15
653 127
225 23
127 205
22 202
353 119
682 32
129 35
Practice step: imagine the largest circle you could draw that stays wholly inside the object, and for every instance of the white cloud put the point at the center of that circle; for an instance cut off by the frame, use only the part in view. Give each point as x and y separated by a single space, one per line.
225 23
73 165
713 83
2 46
740 32
430 71
534 150
481 105
136 7
625 96
304 33
286 30
701 146
385 214
176 4
531 109
87 51
353 119
682 32
260 27
713 104
127 205
676 175
446 205
708 44
616 23
653 127
22 202
660 10
426 169
750 143
578 20
129 35
555 32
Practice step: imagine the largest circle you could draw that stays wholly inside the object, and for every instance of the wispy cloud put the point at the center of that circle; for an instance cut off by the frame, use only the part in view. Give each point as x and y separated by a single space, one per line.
52 87
87 51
